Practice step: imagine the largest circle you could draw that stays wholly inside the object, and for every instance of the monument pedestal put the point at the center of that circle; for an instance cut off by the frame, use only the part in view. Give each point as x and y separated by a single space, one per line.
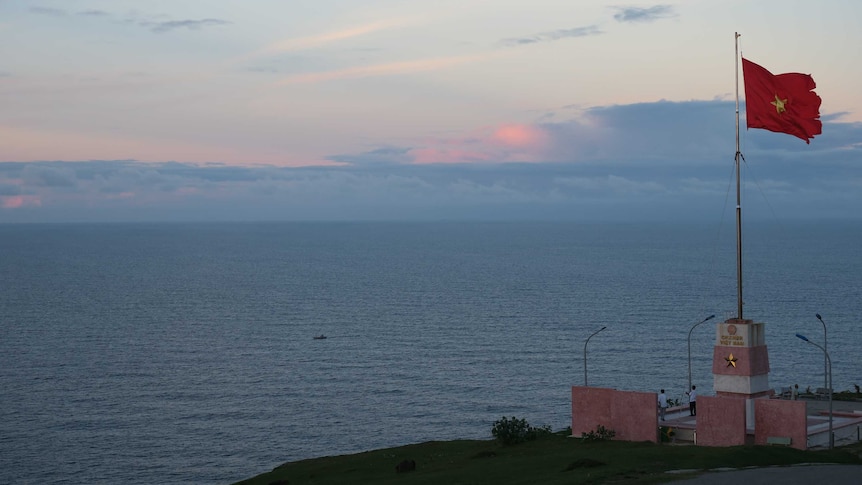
740 363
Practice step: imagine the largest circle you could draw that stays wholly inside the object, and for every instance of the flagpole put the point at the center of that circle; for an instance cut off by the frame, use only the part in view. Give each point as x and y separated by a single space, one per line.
738 198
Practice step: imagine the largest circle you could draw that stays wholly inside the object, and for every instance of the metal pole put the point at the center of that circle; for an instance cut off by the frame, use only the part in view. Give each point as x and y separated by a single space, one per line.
825 347
831 435
585 353
689 347
738 197
829 362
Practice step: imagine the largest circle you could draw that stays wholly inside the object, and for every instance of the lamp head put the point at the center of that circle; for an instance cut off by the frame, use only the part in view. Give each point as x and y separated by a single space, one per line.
818 316
803 337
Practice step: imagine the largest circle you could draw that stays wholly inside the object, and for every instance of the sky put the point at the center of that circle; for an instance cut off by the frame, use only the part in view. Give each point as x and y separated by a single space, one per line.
353 110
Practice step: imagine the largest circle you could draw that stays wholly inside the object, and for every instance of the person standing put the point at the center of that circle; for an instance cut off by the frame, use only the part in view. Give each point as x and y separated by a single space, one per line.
692 401
794 393
662 404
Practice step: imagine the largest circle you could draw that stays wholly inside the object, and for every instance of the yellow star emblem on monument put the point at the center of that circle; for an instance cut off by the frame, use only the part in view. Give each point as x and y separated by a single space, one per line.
779 104
731 360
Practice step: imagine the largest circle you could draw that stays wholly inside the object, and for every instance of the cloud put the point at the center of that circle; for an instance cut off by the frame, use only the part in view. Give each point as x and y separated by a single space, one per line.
611 183
664 130
263 69
507 142
638 14
94 13
157 26
381 156
450 155
389 69
289 64
48 176
317 40
555 35
646 161
646 142
169 25
519 135
18 201
671 132
53 12
8 189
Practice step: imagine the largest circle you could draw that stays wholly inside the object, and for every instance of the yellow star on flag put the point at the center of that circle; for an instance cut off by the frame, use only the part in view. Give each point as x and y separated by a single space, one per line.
779 104
731 360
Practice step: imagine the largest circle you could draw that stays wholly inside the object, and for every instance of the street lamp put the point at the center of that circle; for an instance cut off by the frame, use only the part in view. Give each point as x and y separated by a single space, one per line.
585 353
829 386
825 347
689 346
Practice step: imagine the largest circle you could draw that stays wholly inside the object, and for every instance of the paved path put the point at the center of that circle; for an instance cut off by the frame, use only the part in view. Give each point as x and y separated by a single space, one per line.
785 475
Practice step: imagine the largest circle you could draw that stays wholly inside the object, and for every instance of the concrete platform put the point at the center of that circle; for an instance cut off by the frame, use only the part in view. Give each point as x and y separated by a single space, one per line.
846 423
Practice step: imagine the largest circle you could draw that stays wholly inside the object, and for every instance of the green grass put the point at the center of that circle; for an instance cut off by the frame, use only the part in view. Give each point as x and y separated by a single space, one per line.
550 460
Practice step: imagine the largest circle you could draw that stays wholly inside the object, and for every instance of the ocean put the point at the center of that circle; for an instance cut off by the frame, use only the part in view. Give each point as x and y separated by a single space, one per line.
184 353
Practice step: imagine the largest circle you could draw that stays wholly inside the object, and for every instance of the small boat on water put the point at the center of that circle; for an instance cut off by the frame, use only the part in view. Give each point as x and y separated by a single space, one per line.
320 337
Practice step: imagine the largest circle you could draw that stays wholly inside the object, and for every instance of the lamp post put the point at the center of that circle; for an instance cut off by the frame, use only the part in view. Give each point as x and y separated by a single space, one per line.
825 348
689 346
829 386
585 353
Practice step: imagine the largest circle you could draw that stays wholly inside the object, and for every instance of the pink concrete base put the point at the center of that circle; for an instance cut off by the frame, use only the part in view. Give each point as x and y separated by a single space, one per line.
631 415
591 406
720 421
779 418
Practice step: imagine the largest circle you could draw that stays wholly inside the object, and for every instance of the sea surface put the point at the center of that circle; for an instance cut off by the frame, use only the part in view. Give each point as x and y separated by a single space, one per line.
183 353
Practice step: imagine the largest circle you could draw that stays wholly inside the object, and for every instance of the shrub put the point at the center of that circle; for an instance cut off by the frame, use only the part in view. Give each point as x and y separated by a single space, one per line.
513 431
667 433
600 434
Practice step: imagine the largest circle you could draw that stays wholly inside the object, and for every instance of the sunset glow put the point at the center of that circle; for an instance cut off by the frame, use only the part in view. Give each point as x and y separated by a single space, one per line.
267 103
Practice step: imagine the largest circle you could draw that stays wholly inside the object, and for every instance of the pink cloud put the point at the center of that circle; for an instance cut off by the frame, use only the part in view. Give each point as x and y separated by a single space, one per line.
511 142
520 135
329 37
18 201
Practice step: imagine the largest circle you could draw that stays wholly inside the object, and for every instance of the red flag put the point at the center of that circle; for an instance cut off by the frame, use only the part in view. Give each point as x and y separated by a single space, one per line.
784 103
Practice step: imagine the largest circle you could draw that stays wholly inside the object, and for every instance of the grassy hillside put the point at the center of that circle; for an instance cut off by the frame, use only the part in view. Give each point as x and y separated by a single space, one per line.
551 459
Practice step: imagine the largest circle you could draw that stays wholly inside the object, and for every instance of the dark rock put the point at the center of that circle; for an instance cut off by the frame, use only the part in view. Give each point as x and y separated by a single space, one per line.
485 454
584 463
405 466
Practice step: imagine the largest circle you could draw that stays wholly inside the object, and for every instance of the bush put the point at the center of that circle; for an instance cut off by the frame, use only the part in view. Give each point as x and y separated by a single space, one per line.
667 433
513 431
600 434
